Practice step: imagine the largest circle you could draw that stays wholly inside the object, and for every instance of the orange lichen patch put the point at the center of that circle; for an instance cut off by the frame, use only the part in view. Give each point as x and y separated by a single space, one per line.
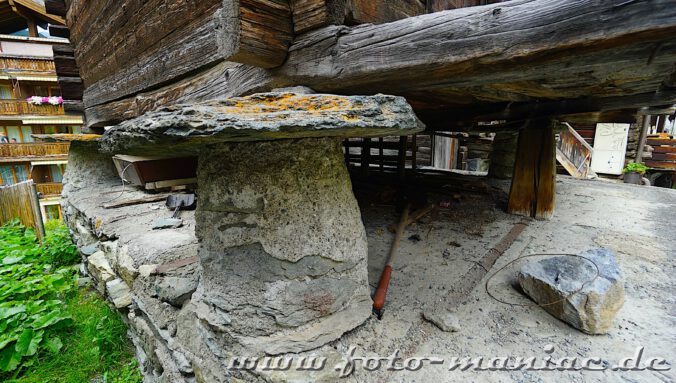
66 137
287 102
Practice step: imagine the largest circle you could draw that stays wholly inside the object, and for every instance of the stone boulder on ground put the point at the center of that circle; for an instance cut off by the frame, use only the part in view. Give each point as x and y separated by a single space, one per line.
590 310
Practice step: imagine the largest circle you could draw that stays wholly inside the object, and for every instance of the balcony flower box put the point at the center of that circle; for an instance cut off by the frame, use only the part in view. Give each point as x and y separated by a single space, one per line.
37 100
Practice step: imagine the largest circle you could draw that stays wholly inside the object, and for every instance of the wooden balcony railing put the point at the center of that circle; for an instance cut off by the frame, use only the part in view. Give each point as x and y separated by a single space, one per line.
49 189
16 64
19 107
34 149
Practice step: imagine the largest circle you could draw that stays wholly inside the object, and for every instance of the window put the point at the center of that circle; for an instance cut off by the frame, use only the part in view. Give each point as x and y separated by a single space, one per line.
6 174
27 131
21 172
57 176
13 132
6 92
52 212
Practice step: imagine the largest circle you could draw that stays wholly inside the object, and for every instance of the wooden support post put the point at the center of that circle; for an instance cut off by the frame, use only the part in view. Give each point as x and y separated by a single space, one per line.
534 179
401 162
642 138
365 156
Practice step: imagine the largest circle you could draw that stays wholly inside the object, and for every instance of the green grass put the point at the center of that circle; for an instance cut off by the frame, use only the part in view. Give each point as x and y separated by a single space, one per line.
95 346
51 330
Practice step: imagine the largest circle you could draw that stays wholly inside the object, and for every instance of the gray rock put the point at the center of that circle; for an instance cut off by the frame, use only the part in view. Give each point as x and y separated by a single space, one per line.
593 308
443 319
176 290
83 282
167 223
263 116
99 268
119 293
89 249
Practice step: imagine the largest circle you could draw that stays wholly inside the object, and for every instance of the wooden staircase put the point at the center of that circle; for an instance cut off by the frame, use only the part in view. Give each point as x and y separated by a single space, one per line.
574 153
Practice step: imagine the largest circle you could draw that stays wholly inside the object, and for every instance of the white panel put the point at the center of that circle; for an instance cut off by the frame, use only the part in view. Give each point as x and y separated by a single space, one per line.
610 145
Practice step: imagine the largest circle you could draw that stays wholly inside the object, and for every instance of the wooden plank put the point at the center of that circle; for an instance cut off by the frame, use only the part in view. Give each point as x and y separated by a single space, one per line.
532 193
59 31
56 7
21 201
661 141
378 12
664 156
72 88
661 165
66 66
664 149
137 201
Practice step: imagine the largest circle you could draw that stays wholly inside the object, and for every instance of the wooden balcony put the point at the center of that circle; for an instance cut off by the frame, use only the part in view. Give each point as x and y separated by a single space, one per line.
22 107
49 189
32 151
27 65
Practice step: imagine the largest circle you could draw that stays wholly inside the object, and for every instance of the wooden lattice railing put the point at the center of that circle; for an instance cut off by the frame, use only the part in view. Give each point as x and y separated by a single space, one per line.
19 107
49 189
34 149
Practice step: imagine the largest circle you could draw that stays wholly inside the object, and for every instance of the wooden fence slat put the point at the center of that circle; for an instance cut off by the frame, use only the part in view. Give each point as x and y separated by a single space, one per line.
21 201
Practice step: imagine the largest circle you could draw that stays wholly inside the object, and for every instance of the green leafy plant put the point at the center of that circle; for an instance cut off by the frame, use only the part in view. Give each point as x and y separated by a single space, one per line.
50 331
32 293
633 167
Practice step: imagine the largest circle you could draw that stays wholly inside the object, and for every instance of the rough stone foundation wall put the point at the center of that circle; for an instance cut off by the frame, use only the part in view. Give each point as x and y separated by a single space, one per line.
280 266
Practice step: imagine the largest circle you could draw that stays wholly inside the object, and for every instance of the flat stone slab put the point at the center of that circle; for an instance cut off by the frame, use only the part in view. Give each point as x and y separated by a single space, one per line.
262 117
562 285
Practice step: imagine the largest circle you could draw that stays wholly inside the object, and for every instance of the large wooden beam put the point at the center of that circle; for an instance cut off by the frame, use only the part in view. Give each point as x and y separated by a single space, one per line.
505 57
533 188
127 47
515 51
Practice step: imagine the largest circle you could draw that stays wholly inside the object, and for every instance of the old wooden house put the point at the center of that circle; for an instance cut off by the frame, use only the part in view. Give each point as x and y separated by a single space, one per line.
273 98
31 102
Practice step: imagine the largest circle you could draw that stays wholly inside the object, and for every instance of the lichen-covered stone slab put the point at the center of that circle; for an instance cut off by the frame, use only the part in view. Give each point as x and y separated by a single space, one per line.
261 117
590 310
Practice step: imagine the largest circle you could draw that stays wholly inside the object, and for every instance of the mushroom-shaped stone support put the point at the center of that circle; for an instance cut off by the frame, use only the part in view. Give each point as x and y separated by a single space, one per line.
282 245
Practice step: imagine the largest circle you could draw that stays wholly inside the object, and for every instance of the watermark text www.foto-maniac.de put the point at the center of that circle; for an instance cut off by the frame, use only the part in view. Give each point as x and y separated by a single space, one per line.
637 362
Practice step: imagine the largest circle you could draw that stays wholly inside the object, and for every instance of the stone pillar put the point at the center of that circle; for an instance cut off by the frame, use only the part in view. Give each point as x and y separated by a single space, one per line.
282 247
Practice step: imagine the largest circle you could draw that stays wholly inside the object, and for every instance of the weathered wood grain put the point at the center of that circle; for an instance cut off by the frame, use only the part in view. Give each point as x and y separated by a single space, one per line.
224 80
56 7
59 31
533 189
511 46
520 59
135 46
313 14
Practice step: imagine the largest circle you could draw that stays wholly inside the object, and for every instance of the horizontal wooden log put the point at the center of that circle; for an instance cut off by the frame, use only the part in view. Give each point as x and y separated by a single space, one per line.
72 88
661 165
73 107
59 31
509 59
56 7
66 66
222 81
523 50
664 156
137 46
313 14
661 141
664 149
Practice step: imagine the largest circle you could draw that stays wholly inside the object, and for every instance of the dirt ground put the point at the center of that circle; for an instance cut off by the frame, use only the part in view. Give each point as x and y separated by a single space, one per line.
636 222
